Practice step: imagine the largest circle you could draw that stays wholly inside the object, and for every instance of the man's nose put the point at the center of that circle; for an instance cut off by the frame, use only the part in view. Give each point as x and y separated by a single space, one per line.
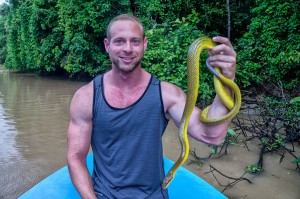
128 47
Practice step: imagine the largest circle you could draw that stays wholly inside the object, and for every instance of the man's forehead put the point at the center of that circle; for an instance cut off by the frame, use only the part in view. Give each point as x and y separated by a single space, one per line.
125 26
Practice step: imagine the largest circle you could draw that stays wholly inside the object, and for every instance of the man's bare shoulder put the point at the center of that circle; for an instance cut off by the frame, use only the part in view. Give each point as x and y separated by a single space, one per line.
82 101
171 94
84 92
171 89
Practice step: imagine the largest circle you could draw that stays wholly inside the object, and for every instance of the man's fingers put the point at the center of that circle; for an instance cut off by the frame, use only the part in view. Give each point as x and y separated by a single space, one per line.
222 58
228 68
222 49
222 40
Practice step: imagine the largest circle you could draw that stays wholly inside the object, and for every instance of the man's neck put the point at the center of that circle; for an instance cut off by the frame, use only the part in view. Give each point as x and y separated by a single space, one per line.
122 90
128 79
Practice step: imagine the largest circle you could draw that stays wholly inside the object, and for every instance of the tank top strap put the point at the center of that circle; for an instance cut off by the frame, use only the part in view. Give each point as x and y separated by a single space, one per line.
97 82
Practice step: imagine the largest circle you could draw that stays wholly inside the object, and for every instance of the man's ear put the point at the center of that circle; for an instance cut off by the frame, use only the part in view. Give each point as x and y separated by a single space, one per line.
106 45
145 43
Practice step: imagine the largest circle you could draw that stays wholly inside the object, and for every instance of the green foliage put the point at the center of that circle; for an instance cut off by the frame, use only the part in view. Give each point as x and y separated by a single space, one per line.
24 38
295 100
12 60
296 160
167 50
254 169
212 15
150 12
30 29
280 115
214 150
4 10
273 144
47 36
270 51
84 28
78 29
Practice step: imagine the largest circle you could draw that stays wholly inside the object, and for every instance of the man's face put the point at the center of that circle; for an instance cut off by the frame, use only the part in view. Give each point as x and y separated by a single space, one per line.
126 46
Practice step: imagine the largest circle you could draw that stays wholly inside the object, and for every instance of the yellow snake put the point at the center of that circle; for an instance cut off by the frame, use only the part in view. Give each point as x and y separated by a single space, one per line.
193 60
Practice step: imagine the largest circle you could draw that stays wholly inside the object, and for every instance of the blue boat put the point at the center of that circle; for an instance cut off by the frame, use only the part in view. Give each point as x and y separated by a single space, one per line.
186 185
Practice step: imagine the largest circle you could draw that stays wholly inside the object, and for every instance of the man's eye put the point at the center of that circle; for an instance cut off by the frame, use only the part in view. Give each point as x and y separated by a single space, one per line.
135 42
119 42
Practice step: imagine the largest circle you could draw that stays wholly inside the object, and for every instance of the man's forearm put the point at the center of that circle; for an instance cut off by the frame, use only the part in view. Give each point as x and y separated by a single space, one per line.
81 178
216 133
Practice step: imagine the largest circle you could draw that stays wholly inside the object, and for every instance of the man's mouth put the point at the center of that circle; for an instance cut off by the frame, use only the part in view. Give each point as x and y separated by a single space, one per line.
127 59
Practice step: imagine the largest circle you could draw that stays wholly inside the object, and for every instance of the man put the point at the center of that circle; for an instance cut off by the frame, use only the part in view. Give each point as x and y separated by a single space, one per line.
123 113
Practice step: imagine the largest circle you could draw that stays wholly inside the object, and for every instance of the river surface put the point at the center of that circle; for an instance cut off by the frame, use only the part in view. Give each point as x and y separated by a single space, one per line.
34 117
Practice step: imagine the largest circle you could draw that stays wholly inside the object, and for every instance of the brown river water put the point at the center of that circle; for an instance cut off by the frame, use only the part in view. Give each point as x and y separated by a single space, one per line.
34 116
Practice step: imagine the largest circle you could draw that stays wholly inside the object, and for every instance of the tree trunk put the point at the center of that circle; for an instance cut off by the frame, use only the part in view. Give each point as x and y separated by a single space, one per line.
228 19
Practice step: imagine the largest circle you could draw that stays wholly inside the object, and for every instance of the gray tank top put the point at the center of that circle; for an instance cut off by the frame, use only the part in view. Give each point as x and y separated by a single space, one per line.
127 145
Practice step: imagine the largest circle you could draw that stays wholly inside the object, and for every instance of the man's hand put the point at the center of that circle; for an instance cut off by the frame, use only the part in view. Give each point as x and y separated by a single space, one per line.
223 56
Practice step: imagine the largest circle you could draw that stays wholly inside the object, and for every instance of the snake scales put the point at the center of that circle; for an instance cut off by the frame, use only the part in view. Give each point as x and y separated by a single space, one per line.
193 60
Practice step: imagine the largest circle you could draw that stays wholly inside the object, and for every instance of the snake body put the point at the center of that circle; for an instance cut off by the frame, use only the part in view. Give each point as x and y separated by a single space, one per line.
193 79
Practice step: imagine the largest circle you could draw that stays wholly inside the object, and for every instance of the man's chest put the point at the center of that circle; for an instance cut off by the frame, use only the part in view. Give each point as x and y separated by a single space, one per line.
122 98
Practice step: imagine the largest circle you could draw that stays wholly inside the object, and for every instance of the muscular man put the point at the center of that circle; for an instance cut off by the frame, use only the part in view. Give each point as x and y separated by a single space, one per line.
123 113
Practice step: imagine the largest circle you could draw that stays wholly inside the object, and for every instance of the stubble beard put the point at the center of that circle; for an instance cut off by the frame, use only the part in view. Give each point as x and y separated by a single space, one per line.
126 68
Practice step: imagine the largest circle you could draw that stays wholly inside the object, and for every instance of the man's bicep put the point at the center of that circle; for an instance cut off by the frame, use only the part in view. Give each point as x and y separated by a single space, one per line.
174 101
80 127
79 138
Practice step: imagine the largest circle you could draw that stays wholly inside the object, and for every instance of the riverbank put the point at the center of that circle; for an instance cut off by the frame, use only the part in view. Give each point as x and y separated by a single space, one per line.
279 180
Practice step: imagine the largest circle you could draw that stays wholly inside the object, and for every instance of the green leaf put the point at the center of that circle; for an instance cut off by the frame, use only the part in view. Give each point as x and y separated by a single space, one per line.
214 150
254 169
295 100
231 132
296 161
